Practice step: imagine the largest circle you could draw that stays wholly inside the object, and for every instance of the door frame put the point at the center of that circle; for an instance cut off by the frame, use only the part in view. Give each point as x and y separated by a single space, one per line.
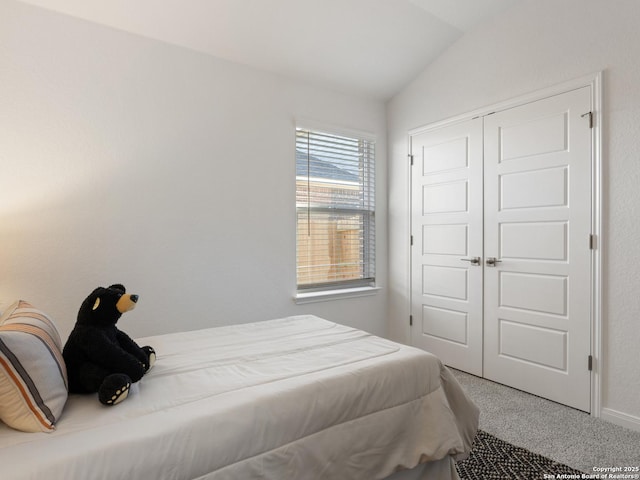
594 81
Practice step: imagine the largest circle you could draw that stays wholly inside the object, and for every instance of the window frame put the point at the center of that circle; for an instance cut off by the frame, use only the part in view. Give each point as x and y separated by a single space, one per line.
366 283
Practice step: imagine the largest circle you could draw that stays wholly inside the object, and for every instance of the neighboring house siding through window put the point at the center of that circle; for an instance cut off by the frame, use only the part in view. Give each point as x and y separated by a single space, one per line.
335 211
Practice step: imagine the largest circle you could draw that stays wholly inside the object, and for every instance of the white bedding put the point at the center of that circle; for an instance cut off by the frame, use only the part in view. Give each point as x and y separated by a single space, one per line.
295 398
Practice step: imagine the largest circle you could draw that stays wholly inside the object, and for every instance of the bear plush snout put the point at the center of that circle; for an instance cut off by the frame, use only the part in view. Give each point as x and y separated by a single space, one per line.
126 303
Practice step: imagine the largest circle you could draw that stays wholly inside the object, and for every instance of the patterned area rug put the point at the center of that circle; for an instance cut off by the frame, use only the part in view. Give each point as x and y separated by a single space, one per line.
495 459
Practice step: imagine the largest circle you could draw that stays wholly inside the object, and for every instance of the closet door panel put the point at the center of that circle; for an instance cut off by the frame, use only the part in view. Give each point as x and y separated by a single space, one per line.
446 292
537 213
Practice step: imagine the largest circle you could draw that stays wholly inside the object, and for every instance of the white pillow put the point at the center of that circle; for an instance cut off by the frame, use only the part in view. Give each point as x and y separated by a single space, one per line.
33 376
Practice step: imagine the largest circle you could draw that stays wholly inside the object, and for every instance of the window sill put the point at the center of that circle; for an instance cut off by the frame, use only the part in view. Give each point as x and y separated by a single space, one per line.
326 295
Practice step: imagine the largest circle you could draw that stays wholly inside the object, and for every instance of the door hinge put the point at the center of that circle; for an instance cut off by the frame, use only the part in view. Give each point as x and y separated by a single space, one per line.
411 158
592 242
411 241
590 363
590 114
411 320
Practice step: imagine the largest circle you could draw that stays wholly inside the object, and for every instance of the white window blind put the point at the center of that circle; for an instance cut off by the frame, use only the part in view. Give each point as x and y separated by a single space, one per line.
335 205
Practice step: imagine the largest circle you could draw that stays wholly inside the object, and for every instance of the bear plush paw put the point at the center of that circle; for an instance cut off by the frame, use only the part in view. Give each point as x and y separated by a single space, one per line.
151 357
114 389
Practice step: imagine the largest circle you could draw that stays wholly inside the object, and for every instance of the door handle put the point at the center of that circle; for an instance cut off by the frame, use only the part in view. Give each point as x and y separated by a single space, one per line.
472 260
491 261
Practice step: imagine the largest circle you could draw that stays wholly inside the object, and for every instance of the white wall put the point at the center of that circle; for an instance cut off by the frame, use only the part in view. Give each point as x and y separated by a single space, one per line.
123 159
533 46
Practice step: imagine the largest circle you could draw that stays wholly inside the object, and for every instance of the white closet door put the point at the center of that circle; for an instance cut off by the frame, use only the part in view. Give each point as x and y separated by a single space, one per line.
446 222
537 214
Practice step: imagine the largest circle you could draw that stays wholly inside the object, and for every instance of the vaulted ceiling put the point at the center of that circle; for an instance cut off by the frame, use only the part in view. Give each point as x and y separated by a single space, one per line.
368 47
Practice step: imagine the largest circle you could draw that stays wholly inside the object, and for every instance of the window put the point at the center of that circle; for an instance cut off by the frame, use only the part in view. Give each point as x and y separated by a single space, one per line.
335 211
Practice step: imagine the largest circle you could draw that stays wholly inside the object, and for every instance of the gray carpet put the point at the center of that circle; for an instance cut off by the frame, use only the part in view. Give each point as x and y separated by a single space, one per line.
560 433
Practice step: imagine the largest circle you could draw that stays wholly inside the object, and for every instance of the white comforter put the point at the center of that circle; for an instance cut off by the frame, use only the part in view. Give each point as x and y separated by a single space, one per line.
295 398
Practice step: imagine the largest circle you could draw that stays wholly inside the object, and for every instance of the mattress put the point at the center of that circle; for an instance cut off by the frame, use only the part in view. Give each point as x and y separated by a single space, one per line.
293 398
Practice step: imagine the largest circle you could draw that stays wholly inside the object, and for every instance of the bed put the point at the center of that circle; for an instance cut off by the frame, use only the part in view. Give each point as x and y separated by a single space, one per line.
292 398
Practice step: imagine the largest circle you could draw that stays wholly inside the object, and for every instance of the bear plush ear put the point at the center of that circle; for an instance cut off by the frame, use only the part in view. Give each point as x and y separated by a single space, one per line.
119 287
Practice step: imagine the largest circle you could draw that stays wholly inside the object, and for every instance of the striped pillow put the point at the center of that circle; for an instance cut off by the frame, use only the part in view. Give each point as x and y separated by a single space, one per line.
33 376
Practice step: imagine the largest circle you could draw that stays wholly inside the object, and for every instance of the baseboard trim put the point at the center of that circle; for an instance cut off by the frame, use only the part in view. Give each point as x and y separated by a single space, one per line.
623 419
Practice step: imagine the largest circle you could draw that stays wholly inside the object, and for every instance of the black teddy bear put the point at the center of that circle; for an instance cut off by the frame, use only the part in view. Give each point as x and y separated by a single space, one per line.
99 357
